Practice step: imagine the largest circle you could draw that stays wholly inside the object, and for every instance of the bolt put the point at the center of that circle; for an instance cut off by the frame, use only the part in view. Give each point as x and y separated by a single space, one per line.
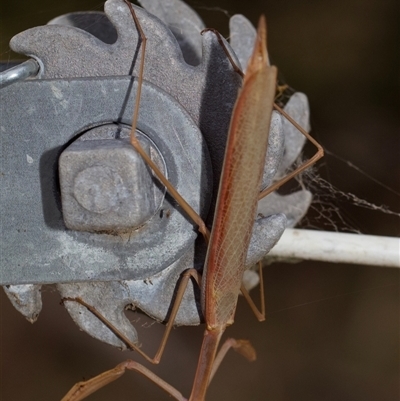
105 186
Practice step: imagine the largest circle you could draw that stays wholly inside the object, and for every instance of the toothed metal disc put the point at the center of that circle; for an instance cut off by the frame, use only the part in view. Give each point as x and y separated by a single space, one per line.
196 73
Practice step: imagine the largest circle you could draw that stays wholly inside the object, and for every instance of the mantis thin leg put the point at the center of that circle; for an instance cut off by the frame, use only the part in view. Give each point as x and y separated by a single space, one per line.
135 143
83 389
186 276
304 166
175 194
222 44
259 314
243 347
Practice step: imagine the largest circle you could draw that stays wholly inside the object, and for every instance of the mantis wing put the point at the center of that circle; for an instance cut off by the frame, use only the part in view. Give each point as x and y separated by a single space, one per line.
239 187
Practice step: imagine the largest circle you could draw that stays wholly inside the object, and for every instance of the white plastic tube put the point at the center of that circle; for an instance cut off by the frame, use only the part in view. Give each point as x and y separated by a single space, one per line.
338 248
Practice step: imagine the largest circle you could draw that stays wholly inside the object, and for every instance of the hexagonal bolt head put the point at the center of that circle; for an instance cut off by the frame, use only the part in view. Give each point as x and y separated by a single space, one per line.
105 186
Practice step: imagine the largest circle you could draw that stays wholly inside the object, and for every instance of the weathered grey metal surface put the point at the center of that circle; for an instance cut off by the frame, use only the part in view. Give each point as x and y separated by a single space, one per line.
184 23
276 145
26 299
297 107
294 205
155 295
242 38
35 246
94 22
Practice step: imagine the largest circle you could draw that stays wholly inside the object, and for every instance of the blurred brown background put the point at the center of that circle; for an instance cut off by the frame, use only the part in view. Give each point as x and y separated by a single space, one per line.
332 331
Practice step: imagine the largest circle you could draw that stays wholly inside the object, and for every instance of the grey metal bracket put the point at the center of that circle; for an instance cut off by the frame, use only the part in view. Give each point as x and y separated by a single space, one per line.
36 247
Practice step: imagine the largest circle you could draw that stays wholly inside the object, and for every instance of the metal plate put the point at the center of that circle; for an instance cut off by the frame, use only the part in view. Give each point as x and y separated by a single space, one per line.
35 245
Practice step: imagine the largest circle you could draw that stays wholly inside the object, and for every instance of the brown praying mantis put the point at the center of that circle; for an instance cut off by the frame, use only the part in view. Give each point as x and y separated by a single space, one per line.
229 239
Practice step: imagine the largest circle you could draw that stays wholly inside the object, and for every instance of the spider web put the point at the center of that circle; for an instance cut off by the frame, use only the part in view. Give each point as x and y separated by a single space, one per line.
327 210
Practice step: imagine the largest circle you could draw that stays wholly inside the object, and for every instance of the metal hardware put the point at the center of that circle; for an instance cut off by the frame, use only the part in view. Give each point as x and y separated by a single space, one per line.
38 248
105 185
73 170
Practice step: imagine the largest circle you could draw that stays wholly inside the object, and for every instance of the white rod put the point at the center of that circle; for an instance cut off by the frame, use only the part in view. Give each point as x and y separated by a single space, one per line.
338 248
